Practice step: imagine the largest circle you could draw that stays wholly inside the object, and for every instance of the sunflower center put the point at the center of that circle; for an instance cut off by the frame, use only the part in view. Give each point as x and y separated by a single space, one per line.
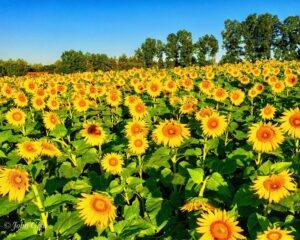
235 96
18 179
220 93
113 97
82 103
99 205
17 116
53 119
154 87
39 102
30 148
265 134
273 183
295 120
267 111
212 123
136 129
93 129
139 108
22 98
138 143
274 236
113 161
220 230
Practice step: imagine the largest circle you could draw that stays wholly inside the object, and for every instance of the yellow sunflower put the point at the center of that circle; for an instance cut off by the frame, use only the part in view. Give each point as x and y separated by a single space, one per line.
218 225
50 120
274 187
291 80
278 87
16 117
268 112
50 150
138 144
53 104
96 209
81 105
171 133
275 233
21 100
214 125
291 122
138 110
237 97
29 150
136 127
154 88
203 113
38 103
93 133
112 163
14 182
265 137
219 94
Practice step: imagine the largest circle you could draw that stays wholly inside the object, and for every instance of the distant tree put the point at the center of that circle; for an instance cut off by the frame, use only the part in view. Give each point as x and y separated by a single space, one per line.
172 50
206 49
259 35
73 61
232 40
149 51
185 44
98 61
160 47
17 67
288 43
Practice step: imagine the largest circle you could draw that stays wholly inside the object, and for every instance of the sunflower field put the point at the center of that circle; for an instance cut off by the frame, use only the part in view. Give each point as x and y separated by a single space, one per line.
185 153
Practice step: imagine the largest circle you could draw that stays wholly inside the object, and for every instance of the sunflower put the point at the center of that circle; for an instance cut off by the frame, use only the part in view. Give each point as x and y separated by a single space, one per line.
171 133
38 103
138 144
274 187
50 150
265 137
252 93
112 163
96 209
93 133
81 105
219 94
203 112
268 112
187 108
138 110
218 225
50 120
278 87
291 122
16 117
206 86
29 150
214 125
14 182
21 100
275 233
114 98
291 80
237 97
196 204
154 88
136 127
129 100
53 104
170 86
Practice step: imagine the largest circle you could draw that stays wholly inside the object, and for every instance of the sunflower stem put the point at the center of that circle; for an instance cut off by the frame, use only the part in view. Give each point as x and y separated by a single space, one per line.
201 193
204 152
227 131
40 206
140 166
259 159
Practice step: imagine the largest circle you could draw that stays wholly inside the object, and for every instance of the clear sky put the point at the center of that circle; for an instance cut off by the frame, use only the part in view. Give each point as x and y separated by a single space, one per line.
39 31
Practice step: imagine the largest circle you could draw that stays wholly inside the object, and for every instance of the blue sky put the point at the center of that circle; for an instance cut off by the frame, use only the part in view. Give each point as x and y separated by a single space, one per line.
39 31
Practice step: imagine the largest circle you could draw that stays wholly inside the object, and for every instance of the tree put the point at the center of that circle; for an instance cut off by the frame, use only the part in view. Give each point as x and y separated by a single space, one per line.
206 49
160 47
185 43
172 50
259 34
232 40
288 43
17 67
98 61
149 51
73 61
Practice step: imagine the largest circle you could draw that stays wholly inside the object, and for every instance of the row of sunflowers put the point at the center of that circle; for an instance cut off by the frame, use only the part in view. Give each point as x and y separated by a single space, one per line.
185 153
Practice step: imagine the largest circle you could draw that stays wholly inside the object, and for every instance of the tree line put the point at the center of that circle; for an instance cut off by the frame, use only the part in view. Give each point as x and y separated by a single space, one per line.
259 36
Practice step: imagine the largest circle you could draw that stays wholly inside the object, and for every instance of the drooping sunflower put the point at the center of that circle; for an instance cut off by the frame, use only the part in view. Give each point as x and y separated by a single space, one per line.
49 149
29 150
171 133
265 137
93 133
268 112
218 225
50 120
96 209
197 204
138 110
291 122
112 163
274 187
138 144
136 127
14 182
214 125
237 97
16 117
275 233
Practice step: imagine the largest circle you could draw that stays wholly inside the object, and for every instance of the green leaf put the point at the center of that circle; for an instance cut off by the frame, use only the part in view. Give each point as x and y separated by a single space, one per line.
28 231
132 211
280 166
159 158
5 135
66 170
196 175
78 185
256 223
193 152
59 131
57 199
245 197
217 183
6 206
68 223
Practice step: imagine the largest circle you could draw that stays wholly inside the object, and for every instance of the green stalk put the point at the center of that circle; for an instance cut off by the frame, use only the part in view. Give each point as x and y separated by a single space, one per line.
39 204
